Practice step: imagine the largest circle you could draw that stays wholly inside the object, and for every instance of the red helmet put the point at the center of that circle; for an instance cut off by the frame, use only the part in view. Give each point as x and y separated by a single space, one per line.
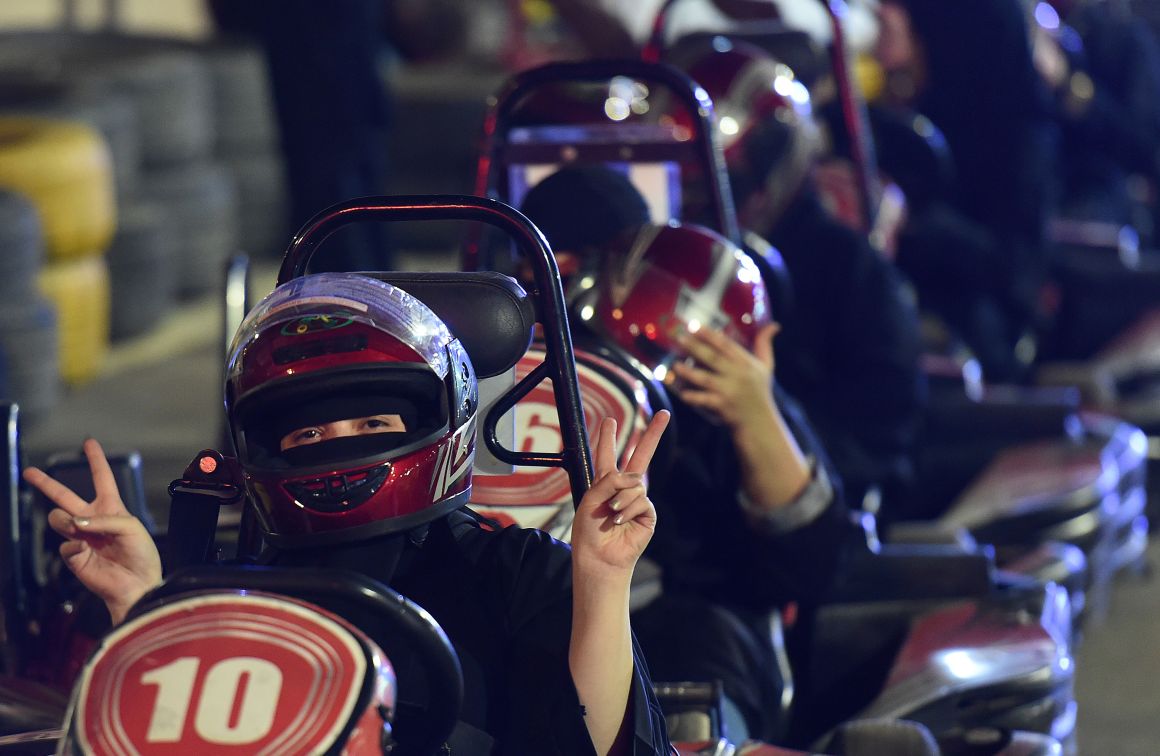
339 346
664 279
764 122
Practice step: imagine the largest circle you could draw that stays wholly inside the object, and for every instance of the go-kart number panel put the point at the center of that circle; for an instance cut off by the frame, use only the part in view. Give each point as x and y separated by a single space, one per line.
221 674
540 497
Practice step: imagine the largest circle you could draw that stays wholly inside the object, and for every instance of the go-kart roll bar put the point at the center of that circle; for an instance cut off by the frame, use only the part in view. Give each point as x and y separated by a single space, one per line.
656 39
559 364
13 590
861 143
691 95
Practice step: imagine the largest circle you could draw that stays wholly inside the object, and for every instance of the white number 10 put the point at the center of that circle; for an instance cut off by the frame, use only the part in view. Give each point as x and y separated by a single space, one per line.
220 717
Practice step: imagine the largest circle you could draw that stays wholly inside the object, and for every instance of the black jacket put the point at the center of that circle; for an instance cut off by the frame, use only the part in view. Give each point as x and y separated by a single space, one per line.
703 542
849 350
504 599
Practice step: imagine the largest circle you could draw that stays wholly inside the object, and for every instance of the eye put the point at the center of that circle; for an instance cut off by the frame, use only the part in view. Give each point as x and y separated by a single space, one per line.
383 423
301 437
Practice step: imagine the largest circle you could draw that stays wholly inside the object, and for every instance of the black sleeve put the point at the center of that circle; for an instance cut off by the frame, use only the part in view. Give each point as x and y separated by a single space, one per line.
798 564
544 714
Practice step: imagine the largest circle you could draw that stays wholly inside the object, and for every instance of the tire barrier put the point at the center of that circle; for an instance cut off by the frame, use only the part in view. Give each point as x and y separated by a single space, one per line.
30 344
21 247
28 327
247 143
202 200
174 97
263 203
65 169
243 106
166 79
142 268
80 291
113 115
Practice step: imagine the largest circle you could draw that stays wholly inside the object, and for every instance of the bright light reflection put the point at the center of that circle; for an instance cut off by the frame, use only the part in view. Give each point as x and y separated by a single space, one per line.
586 312
961 664
616 109
1046 16
660 372
693 326
728 125
799 94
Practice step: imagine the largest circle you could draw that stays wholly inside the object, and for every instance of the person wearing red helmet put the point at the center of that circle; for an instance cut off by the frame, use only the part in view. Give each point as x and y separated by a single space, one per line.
353 409
849 350
750 518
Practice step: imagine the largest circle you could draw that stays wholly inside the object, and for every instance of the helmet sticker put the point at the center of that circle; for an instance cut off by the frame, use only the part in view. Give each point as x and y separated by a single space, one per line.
302 301
455 459
320 322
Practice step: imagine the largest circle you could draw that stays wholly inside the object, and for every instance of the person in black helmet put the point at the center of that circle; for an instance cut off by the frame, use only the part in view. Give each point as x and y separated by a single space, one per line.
342 377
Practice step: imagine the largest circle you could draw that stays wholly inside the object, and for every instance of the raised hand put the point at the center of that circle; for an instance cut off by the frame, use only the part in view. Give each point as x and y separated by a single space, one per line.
616 519
108 549
728 381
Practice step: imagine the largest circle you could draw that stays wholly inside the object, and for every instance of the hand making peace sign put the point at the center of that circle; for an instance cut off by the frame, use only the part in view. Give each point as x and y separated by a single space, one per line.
107 548
615 519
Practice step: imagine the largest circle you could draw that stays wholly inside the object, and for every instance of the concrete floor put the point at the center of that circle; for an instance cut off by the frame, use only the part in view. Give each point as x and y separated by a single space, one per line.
161 395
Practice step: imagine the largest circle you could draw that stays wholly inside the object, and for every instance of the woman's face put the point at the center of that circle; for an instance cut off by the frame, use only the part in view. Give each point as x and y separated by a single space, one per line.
359 426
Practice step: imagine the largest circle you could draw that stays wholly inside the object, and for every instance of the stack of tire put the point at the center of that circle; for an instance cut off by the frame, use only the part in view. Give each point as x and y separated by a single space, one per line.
142 275
62 170
180 225
178 221
29 336
248 145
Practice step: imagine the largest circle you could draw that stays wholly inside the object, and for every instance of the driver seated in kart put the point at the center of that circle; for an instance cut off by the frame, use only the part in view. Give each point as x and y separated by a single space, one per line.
751 516
338 377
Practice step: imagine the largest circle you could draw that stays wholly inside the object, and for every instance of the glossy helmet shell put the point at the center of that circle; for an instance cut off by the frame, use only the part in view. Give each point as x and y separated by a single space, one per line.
333 346
662 280
764 121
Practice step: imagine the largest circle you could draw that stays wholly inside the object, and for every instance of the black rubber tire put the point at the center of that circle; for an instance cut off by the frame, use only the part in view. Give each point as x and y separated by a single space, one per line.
143 263
21 246
174 97
167 79
201 199
243 104
263 203
29 339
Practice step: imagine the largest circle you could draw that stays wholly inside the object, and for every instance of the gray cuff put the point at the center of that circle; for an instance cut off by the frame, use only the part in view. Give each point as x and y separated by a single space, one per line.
814 499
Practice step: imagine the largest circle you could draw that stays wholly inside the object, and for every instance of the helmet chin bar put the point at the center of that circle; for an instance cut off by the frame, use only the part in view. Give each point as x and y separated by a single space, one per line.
339 492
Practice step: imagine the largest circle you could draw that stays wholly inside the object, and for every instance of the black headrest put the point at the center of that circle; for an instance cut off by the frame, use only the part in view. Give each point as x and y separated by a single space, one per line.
490 314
